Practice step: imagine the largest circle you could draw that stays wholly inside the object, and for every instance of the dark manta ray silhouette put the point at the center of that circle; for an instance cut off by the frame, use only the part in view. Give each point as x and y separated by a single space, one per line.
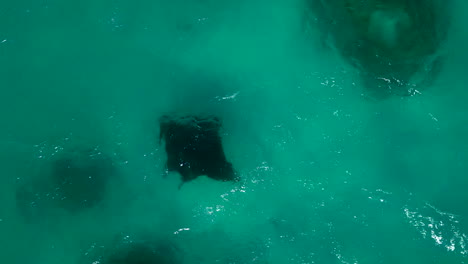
144 253
76 179
194 147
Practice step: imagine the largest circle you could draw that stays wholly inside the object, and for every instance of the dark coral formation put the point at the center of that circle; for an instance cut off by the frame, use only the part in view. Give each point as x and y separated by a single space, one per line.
194 147
73 181
394 44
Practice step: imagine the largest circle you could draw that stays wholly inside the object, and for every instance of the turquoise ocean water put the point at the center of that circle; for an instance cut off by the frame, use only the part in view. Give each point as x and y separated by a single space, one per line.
328 175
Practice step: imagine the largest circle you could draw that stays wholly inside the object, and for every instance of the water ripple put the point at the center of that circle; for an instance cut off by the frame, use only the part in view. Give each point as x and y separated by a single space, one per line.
442 227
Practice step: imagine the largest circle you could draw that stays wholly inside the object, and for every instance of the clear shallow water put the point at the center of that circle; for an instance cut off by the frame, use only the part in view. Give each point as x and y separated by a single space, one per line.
328 175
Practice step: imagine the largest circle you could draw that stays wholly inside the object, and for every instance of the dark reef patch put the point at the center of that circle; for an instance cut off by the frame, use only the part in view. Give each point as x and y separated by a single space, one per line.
194 147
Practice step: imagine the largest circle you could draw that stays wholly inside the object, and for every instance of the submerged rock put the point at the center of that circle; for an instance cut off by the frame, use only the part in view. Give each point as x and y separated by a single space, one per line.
395 44
194 147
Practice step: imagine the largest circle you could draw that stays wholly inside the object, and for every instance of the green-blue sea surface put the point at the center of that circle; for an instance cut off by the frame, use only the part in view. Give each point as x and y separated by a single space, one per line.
327 174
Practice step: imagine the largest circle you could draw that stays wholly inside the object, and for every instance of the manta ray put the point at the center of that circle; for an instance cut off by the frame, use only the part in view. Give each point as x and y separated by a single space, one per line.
194 147
74 180
394 44
144 252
